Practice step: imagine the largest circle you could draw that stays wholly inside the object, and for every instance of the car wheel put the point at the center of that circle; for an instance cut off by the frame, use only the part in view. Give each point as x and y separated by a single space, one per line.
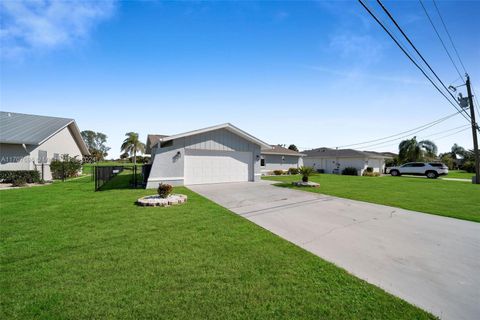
432 174
394 173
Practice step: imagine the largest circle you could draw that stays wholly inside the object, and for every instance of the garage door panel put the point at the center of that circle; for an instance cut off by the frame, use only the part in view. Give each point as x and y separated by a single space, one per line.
208 166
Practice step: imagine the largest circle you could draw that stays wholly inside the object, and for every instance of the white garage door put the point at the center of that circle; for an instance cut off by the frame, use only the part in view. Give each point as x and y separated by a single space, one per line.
207 166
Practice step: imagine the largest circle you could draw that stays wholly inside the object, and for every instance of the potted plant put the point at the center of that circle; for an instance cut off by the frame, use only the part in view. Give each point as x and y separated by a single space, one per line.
306 172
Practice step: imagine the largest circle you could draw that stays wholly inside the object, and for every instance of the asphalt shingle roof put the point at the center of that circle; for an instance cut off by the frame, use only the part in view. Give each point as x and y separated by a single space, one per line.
345 153
282 151
28 128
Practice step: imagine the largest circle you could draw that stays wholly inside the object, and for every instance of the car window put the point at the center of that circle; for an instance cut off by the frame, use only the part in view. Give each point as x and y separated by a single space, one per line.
418 165
407 165
436 164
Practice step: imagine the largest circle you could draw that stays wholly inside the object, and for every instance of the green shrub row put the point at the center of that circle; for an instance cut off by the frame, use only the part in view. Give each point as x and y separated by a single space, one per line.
350 171
65 169
20 177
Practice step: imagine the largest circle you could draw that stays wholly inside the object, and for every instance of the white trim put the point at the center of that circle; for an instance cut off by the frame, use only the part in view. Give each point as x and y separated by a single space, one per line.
258 174
227 126
165 178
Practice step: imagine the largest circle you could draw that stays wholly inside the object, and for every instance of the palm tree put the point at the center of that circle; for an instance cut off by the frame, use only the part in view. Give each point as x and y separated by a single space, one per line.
412 150
458 151
306 172
132 145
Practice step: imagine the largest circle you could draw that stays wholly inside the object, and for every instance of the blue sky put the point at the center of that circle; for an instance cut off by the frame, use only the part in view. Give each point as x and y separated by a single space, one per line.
309 73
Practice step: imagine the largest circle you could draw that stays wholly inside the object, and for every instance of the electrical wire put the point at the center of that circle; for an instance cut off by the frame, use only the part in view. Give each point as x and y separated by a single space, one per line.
412 60
438 35
449 36
423 59
428 125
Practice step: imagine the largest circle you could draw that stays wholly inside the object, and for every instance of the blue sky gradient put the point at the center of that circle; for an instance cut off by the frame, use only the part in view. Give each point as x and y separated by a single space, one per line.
309 73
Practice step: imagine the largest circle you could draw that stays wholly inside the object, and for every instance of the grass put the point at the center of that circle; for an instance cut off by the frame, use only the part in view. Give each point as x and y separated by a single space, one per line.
70 253
445 198
87 167
459 174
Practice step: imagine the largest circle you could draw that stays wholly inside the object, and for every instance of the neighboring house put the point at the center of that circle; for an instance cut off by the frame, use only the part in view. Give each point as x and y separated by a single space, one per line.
280 158
335 160
222 153
28 141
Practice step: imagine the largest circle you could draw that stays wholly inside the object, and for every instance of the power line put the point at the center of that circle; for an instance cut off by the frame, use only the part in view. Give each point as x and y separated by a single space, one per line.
438 35
411 59
428 125
449 37
467 117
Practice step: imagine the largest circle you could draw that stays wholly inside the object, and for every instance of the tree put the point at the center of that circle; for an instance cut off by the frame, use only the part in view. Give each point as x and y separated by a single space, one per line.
458 151
412 150
132 145
293 147
95 142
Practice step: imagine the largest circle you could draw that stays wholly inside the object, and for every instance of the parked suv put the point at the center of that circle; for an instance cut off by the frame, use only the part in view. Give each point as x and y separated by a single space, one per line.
429 169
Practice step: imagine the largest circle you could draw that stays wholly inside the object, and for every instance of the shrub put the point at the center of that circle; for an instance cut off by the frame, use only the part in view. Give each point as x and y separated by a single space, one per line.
164 190
306 172
320 171
350 171
469 166
293 171
19 182
370 174
30 176
369 169
278 172
69 167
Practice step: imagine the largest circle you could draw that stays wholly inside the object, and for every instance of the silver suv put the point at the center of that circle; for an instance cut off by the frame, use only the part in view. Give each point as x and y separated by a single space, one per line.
429 169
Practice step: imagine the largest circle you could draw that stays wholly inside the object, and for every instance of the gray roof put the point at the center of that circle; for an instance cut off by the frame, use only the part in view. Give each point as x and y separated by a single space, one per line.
152 139
276 149
29 129
343 153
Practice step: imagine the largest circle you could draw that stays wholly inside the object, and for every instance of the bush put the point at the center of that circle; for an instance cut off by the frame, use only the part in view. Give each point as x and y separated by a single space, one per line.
19 182
306 172
69 167
369 169
164 190
30 176
320 171
469 166
278 172
350 171
293 171
370 174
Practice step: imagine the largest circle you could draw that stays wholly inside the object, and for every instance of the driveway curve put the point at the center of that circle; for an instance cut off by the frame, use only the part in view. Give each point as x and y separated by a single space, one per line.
427 260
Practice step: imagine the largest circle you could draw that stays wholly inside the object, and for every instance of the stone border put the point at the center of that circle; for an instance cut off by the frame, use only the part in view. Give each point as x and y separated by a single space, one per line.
156 201
306 184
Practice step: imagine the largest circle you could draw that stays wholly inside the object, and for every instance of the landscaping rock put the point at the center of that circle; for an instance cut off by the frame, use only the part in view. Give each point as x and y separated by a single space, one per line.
156 201
306 184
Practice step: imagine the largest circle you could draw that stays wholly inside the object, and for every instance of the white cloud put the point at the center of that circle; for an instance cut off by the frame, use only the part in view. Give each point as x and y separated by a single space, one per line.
46 24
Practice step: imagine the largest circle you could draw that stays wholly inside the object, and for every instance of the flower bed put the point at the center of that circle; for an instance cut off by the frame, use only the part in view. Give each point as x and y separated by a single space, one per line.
157 201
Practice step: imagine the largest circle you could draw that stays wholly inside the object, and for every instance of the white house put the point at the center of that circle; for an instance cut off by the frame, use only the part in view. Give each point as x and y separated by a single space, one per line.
27 141
279 158
335 160
222 153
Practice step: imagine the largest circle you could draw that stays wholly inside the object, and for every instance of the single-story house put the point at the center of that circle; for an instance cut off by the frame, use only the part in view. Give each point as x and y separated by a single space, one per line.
221 153
335 160
30 142
279 158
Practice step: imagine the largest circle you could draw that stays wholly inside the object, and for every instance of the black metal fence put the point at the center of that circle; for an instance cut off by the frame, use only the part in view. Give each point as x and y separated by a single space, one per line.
131 176
103 174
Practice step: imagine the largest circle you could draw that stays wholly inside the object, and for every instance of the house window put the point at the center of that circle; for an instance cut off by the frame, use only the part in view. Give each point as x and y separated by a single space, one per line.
165 144
42 156
56 156
262 162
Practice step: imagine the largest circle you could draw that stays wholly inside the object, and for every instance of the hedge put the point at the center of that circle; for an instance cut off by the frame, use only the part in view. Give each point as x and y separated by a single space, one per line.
30 176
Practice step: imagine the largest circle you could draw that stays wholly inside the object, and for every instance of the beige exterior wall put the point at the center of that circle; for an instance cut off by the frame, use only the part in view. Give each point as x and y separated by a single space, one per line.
61 143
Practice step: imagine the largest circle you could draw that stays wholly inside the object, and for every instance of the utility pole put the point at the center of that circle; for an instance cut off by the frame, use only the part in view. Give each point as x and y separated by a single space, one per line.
474 132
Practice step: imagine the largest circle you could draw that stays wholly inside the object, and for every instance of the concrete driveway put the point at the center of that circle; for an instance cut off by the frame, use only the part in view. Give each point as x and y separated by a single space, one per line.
430 261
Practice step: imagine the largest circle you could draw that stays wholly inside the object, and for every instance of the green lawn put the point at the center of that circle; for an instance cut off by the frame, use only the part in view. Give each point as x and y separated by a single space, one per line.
70 253
459 174
87 167
446 198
